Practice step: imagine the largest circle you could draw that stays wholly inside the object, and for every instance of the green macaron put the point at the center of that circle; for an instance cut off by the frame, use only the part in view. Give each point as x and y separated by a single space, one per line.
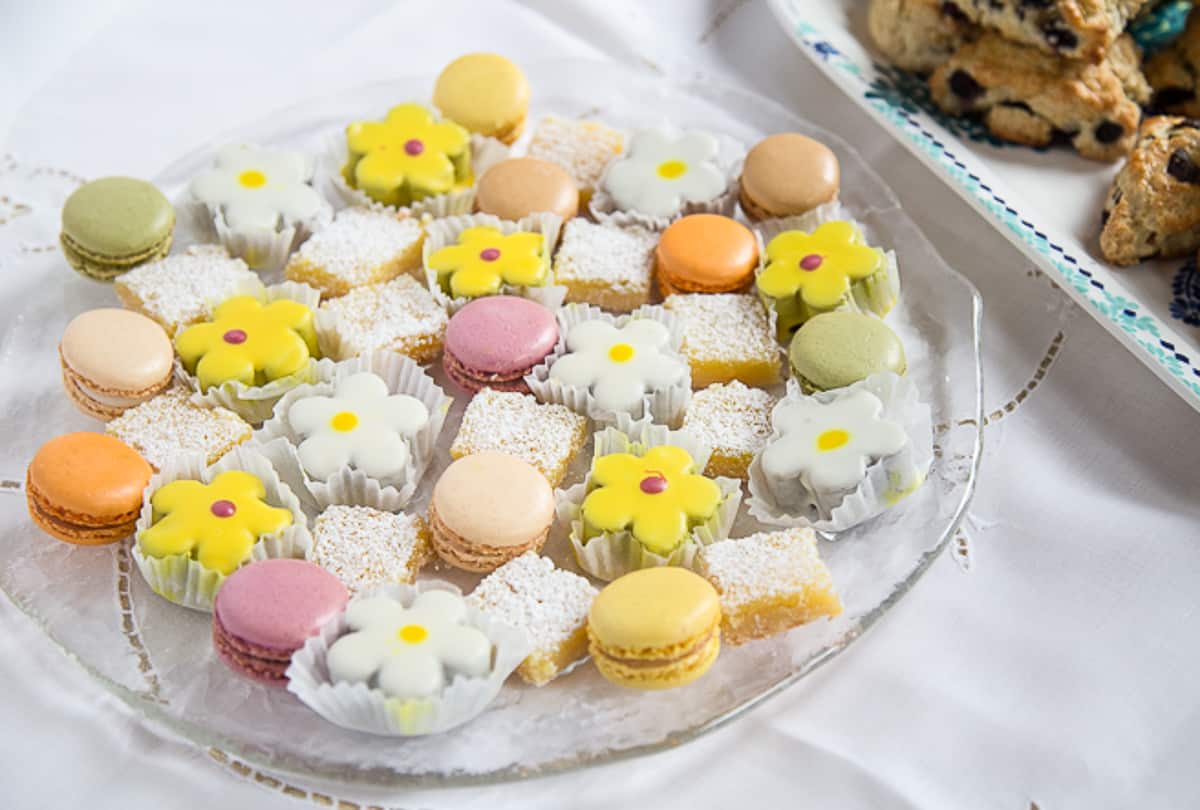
836 349
114 224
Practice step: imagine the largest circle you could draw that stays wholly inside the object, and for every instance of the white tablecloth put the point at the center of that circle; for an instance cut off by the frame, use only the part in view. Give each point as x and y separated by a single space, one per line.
1048 661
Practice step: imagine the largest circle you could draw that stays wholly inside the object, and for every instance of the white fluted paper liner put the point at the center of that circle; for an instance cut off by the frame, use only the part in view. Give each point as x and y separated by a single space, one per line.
358 707
256 403
181 579
614 554
350 486
888 480
664 406
262 249
730 155
485 152
444 232
866 297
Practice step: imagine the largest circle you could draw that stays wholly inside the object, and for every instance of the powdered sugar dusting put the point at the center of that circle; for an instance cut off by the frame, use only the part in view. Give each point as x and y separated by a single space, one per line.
172 423
764 565
583 148
545 435
399 315
604 255
530 593
733 418
176 291
725 328
364 547
356 245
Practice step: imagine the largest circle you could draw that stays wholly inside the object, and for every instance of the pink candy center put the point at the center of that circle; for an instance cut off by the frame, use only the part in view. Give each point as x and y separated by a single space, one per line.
654 484
811 262
223 509
490 255
234 336
414 147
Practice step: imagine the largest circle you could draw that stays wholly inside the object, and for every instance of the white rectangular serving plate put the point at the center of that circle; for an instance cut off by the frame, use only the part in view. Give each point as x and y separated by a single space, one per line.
1047 202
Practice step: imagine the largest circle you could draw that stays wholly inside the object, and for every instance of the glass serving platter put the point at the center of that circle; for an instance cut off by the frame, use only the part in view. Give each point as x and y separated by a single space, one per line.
157 657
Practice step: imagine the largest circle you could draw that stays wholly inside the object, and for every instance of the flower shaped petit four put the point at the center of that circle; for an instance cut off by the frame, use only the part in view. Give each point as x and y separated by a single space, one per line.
217 523
408 156
259 189
249 342
409 653
657 175
826 447
818 272
361 426
659 497
620 366
485 260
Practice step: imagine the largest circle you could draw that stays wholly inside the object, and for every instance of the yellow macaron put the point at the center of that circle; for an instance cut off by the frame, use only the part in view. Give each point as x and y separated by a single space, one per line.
485 93
656 628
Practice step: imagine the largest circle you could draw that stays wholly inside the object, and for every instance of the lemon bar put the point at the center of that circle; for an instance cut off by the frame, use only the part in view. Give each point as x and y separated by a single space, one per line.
399 315
364 547
606 266
735 421
359 247
172 424
727 337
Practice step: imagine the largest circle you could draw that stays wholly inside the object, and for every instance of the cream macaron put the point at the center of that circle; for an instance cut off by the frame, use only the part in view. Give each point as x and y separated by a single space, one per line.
489 508
113 360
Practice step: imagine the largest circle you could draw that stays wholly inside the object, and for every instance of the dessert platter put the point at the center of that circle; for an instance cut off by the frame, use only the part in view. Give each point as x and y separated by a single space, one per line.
1068 125
470 427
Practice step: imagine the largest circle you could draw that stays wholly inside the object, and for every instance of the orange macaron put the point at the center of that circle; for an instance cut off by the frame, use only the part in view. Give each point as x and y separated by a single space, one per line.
705 253
86 488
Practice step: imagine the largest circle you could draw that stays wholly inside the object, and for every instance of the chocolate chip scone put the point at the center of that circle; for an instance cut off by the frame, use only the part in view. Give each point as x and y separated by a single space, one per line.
1174 73
917 35
1075 29
1153 208
1027 96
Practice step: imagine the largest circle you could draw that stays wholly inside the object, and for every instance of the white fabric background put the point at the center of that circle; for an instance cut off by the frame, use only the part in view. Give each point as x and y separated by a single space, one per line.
1052 663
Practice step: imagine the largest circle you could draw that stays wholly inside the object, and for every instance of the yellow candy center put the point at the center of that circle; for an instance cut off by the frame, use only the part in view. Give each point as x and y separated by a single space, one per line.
672 169
620 353
252 178
832 439
344 421
413 634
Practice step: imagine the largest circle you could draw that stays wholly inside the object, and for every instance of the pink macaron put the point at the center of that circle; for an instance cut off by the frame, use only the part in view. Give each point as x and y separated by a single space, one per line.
265 611
494 342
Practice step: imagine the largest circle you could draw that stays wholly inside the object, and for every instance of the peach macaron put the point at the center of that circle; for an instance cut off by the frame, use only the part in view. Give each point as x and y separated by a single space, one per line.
489 508
517 187
113 360
86 488
705 253
787 174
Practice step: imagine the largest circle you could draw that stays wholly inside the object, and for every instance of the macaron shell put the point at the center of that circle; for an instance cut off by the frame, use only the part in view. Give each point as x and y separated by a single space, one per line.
706 253
90 476
515 188
484 92
835 349
277 604
654 609
493 499
788 173
117 217
641 673
76 529
117 351
501 334
265 670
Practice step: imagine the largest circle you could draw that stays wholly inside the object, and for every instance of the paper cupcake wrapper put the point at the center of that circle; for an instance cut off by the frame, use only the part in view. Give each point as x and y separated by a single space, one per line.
358 707
444 232
768 229
614 554
485 152
888 480
350 486
181 579
256 403
263 249
664 406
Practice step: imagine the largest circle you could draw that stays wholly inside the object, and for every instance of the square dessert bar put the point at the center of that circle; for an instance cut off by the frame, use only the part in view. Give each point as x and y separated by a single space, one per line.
364 547
727 337
583 148
176 291
606 266
549 604
735 421
546 436
359 247
399 315
768 583
172 424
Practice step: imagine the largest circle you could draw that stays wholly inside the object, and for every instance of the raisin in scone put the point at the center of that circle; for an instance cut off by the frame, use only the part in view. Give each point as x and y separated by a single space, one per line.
1174 73
1027 96
916 35
1153 208
1075 29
